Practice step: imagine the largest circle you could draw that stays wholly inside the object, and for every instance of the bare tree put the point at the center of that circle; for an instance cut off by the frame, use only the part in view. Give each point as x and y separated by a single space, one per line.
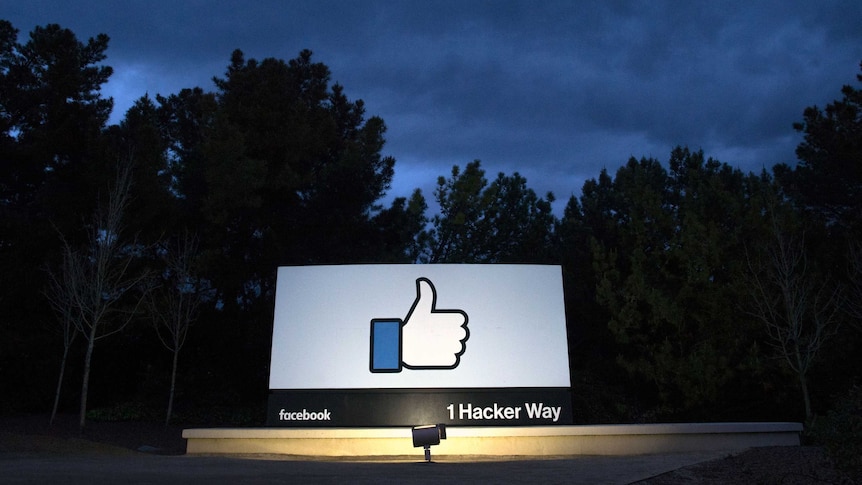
98 277
60 294
175 305
800 309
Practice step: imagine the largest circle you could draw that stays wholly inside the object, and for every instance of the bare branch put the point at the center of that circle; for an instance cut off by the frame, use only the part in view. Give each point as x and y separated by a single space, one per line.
174 308
97 279
799 308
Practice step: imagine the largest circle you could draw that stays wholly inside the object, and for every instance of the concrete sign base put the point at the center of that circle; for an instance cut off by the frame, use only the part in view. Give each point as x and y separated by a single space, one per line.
546 441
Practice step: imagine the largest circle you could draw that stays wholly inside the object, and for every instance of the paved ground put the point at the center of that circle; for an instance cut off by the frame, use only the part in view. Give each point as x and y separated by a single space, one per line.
30 452
114 466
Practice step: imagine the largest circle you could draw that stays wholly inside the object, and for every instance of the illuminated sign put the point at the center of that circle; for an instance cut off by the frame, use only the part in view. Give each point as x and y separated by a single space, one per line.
400 345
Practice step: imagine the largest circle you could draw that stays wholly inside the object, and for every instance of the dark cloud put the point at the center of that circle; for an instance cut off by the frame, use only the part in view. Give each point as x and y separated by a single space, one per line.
553 90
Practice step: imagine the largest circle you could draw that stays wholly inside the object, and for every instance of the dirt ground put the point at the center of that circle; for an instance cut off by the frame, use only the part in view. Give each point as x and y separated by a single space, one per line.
769 465
32 433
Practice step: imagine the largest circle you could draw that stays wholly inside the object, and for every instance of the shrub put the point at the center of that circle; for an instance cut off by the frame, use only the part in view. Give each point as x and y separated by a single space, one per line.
840 432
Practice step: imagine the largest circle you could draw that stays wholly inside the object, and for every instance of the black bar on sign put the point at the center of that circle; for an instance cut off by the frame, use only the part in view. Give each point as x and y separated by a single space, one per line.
411 407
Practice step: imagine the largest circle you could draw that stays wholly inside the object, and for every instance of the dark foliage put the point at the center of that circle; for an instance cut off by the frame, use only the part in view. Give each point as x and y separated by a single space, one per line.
277 166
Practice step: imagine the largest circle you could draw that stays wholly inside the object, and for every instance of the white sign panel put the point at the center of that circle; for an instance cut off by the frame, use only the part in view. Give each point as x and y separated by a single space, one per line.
419 326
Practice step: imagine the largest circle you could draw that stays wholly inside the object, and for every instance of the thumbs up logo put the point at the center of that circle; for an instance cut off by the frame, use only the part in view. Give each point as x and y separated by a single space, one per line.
427 338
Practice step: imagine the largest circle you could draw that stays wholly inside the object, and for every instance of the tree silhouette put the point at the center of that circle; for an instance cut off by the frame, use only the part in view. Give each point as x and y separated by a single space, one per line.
174 306
828 178
60 292
98 279
798 306
501 222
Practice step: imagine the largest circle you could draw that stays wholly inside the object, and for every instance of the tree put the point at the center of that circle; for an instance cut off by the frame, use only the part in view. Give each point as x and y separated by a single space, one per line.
60 292
175 305
826 186
186 120
664 254
828 177
278 167
51 100
281 169
521 226
153 207
51 117
458 230
629 271
503 221
400 229
98 278
799 306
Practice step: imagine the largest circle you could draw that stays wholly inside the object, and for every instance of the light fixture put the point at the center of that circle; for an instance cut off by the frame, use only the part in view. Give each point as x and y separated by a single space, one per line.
428 435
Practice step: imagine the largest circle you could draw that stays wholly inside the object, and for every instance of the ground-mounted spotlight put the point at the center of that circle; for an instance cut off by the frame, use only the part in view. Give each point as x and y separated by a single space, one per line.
428 435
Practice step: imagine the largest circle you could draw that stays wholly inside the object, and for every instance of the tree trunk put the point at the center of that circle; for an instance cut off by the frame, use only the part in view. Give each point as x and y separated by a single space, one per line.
805 397
59 385
85 386
801 369
173 386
